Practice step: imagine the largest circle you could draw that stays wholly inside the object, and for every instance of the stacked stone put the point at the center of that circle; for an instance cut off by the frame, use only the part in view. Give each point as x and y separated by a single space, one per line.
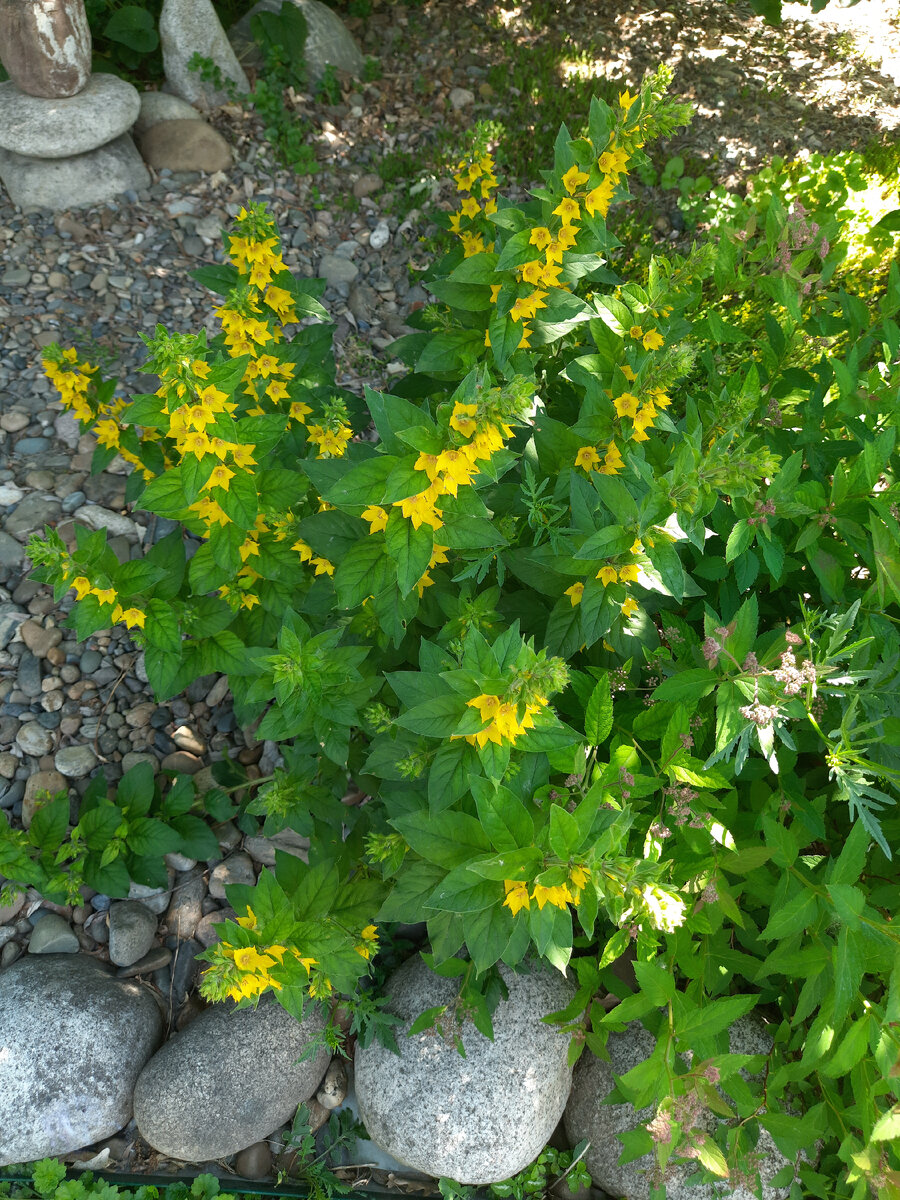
64 139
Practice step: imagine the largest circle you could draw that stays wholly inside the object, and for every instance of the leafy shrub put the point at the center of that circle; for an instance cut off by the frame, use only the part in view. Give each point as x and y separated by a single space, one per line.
592 654
48 1182
115 841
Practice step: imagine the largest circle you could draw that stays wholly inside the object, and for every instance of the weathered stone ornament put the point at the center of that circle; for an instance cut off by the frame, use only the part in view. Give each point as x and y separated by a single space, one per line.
45 46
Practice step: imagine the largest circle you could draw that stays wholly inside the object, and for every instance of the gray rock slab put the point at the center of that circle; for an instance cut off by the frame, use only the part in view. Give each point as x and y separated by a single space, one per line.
74 1040
77 182
477 1119
97 517
132 928
588 1117
59 128
227 1080
35 511
162 106
335 268
328 41
53 935
237 868
188 27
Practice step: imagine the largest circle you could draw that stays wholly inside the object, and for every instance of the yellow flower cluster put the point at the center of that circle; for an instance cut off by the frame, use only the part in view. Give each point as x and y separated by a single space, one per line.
478 179
559 895
453 468
609 574
504 724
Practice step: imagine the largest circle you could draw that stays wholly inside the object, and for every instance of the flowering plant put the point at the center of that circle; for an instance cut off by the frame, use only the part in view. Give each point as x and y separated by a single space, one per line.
590 655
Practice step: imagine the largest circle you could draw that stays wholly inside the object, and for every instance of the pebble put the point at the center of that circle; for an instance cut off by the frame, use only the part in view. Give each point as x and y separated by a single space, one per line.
75 761
153 960
333 1088
40 639
186 739
255 1162
182 763
53 935
34 740
237 868
132 928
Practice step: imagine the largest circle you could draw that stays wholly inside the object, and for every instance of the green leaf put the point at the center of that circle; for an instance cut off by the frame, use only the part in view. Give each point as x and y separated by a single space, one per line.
693 684
463 892
49 823
147 836
712 1018
99 825
739 540
365 483
135 790
852 859
598 716
165 495
887 1127
848 902
796 915
240 502
410 548
449 839
197 840
655 981
504 818
411 890
133 27
565 833
161 628
487 933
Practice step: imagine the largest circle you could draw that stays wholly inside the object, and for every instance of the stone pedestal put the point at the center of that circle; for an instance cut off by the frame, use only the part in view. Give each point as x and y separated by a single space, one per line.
45 46
75 182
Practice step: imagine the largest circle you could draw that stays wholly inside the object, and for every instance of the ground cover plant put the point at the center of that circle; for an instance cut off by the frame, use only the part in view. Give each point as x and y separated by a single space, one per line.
602 628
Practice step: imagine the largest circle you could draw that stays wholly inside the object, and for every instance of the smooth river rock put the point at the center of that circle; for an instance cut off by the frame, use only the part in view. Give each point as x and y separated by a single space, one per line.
106 108
227 1080
45 45
73 1040
188 27
477 1119
80 181
328 41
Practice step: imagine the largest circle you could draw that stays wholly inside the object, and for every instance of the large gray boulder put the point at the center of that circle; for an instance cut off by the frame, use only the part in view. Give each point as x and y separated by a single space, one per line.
77 182
188 27
73 1040
588 1117
103 110
328 42
476 1119
228 1080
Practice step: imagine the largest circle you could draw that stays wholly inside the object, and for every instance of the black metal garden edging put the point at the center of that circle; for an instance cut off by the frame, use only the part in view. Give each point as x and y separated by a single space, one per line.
227 1183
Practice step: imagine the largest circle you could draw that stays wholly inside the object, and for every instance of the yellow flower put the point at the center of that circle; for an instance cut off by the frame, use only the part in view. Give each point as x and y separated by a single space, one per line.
626 404
636 332
470 207
305 961
575 592
532 272
630 606
420 510
107 434
588 458
377 518
220 476
323 566
558 895
243 456
626 100
516 895
540 237
567 210
462 419
629 573
248 922
134 617
299 411
653 339
599 198
369 943
607 575
105 595
573 179
248 958
82 586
